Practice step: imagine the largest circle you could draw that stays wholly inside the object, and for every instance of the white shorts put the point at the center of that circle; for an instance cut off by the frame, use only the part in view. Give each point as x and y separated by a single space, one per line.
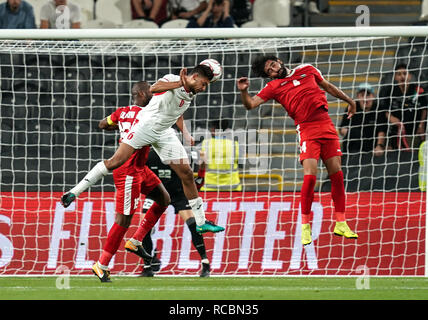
166 144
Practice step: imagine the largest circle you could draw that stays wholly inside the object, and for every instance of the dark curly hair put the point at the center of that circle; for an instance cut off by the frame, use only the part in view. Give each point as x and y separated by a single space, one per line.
203 70
258 65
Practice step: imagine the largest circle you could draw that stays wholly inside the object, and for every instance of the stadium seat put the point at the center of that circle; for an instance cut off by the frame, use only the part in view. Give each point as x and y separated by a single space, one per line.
125 9
99 24
144 24
105 10
177 23
273 11
257 24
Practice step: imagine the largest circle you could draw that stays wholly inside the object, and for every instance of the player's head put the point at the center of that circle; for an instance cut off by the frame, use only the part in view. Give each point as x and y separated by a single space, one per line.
269 67
401 74
199 78
141 93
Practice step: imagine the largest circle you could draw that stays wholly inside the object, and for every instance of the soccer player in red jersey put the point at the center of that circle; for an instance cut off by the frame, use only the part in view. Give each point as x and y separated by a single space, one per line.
298 91
131 179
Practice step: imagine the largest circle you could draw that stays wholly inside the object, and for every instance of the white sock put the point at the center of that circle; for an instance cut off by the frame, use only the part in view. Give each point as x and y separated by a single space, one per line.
91 178
135 242
206 261
198 210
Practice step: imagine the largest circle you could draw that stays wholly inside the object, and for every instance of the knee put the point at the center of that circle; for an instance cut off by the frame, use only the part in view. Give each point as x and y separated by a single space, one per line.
122 220
165 199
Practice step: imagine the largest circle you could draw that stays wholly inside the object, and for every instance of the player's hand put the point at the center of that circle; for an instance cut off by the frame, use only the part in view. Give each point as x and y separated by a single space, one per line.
183 74
352 108
243 84
188 139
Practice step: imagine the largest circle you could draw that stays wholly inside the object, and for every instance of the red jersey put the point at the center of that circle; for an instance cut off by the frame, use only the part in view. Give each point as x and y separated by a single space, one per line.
125 117
299 94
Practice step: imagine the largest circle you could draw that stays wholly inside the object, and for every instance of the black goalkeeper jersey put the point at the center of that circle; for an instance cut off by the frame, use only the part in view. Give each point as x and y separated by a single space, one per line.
168 176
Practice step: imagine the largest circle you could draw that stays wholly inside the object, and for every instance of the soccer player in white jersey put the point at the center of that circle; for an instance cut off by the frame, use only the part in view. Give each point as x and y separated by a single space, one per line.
172 95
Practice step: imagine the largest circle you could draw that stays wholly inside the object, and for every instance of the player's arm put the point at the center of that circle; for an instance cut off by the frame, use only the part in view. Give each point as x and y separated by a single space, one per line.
336 92
186 134
200 179
249 102
108 124
162 85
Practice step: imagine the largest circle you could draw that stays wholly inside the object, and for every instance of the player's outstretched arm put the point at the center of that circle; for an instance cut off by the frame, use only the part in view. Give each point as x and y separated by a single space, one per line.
186 134
107 124
248 101
162 86
336 92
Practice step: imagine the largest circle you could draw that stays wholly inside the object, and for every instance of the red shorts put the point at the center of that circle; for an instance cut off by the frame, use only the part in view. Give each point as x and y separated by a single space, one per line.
130 183
318 140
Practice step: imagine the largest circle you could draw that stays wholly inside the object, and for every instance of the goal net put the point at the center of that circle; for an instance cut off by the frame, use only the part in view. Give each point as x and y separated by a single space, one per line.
53 94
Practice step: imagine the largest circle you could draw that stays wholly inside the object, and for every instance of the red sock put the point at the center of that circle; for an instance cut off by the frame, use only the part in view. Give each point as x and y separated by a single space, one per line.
152 216
338 195
114 239
307 196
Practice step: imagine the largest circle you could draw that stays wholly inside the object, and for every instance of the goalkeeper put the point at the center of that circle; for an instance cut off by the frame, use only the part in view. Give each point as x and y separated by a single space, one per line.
298 91
181 206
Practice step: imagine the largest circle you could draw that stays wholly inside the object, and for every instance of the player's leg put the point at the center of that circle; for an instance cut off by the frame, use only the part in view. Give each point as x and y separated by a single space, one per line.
151 185
161 202
172 152
307 197
197 240
128 186
335 173
100 170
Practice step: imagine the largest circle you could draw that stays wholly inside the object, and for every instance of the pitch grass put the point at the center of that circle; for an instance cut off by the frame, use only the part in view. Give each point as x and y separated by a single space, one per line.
214 288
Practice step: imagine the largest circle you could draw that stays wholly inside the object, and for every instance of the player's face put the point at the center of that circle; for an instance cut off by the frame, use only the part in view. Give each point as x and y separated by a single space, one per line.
275 69
142 98
198 83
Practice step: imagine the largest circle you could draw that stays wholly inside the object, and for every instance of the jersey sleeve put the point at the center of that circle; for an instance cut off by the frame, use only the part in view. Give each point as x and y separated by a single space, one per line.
170 78
266 93
114 117
317 73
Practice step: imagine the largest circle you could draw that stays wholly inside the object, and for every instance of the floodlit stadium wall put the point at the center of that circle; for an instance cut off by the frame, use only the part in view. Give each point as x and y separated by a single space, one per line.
54 92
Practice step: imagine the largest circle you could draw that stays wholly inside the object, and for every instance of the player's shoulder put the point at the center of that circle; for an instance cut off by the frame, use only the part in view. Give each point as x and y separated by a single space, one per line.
170 77
305 66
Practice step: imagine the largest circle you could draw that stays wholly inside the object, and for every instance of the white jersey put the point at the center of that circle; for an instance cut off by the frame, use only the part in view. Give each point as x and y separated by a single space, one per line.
165 108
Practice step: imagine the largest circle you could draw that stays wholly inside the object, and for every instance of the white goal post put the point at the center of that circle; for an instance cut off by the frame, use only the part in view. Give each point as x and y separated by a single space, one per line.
57 84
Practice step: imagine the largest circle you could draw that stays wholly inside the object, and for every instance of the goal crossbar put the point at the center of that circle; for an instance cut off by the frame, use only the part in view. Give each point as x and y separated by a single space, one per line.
214 33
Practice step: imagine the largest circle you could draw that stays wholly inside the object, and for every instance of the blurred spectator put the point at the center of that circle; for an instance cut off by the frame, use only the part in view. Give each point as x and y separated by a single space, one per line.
187 9
60 14
312 6
405 106
222 156
216 15
16 14
153 10
241 11
365 131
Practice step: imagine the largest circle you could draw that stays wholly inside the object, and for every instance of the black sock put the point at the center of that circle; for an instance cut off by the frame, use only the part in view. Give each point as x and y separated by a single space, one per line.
197 239
148 246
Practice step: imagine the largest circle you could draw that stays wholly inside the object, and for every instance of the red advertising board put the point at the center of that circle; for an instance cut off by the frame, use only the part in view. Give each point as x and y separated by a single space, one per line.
262 236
